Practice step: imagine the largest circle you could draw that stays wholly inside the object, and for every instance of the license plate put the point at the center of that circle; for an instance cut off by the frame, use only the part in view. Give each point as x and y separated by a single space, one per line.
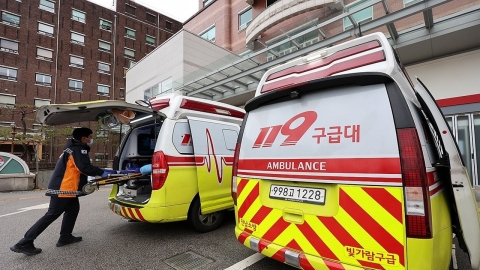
298 194
130 192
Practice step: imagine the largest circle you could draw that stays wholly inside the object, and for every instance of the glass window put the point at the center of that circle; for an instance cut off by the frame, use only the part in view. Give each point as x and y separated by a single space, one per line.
75 85
47 5
43 79
168 25
150 40
44 54
244 19
76 61
78 15
8 45
41 102
103 90
121 93
130 9
129 53
104 46
151 18
129 33
166 86
209 34
105 25
407 3
147 94
270 2
8 73
7 101
361 16
77 38
10 18
206 2
103 68
45 29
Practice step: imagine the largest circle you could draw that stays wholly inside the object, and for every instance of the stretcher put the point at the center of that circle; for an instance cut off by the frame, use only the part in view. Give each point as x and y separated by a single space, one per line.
118 178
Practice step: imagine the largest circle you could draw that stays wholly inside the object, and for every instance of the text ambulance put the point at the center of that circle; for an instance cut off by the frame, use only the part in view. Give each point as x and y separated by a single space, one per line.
342 163
189 142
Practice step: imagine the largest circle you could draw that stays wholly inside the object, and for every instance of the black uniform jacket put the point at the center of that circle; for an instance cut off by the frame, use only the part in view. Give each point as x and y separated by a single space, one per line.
71 171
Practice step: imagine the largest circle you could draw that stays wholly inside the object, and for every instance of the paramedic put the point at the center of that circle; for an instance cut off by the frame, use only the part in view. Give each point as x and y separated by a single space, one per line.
64 188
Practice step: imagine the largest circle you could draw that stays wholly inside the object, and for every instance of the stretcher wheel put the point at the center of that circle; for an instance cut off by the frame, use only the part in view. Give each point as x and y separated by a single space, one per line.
204 223
88 189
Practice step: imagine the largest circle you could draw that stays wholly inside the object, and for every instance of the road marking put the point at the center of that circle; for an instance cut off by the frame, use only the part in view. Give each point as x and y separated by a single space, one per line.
246 262
21 210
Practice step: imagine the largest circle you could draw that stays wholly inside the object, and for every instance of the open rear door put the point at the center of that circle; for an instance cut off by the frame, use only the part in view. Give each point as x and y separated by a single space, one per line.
214 144
461 188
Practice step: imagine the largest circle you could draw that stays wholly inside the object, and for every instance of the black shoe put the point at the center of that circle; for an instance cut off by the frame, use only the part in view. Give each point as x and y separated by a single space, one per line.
27 249
69 240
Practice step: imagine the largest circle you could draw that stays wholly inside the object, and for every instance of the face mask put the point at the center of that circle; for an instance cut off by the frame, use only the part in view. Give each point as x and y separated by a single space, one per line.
90 143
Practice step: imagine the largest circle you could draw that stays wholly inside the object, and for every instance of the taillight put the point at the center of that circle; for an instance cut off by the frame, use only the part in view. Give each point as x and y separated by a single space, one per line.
159 170
415 182
234 173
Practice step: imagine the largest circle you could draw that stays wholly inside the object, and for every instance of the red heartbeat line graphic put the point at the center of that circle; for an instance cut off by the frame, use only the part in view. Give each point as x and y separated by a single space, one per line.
210 153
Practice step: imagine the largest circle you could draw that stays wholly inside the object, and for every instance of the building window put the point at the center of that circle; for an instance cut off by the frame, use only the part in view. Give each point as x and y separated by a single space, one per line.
78 15
7 73
45 29
44 54
103 90
271 2
7 100
8 45
47 5
105 25
41 102
130 9
164 87
206 2
43 79
129 33
77 38
129 53
361 16
151 18
76 61
103 68
407 3
168 25
104 46
75 85
11 19
125 72
209 34
121 93
150 40
244 19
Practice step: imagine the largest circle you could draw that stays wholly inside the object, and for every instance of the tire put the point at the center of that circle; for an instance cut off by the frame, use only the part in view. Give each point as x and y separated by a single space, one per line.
204 223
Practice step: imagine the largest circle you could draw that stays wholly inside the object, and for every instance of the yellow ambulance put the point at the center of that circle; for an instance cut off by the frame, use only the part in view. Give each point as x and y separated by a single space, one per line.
343 163
189 142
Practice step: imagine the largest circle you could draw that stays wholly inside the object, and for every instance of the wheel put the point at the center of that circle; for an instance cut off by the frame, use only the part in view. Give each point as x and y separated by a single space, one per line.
204 223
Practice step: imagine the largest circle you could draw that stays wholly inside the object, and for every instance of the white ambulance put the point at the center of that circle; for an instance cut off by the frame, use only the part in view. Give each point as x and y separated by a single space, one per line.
189 142
342 163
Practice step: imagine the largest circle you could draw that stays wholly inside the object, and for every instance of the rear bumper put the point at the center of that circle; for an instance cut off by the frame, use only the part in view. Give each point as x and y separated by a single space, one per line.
287 256
150 214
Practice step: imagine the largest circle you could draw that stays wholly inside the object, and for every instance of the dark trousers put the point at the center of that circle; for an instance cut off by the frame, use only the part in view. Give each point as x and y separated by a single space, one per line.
69 206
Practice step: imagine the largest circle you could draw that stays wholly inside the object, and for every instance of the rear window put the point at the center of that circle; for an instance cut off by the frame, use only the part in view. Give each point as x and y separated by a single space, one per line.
329 131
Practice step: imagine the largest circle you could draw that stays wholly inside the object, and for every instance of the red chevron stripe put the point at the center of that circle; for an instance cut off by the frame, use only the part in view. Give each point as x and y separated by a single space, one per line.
131 213
242 237
262 245
280 255
333 265
261 214
383 237
249 201
293 244
345 238
276 230
317 242
304 263
140 216
123 212
387 201
241 185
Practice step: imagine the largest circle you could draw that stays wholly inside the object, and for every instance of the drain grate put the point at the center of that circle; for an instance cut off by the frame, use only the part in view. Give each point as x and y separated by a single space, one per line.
188 261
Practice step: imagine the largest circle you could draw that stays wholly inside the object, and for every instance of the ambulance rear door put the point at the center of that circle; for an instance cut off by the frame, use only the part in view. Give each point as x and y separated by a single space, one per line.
467 217
214 146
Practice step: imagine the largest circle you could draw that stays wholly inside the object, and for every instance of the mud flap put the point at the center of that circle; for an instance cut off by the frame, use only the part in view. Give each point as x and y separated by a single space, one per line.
214 145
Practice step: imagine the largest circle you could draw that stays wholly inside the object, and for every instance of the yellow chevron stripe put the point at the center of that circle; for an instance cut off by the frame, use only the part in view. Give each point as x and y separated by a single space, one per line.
396 192
377 212
268 222
246 191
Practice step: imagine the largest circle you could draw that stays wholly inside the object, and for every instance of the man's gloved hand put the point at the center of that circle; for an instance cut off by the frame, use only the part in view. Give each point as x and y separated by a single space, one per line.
147 169
105 174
